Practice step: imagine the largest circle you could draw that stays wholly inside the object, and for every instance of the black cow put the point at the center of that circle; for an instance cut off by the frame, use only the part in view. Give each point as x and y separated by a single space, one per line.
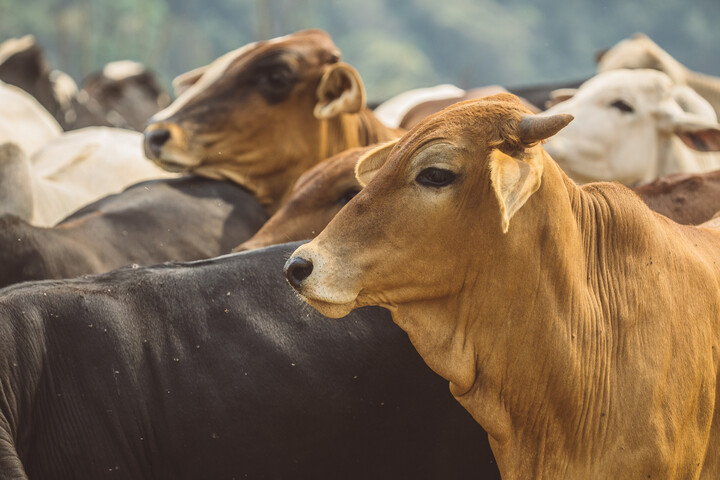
151 222
215 370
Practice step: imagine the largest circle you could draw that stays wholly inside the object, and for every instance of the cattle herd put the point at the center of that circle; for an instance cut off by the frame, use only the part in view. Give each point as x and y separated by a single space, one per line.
168 267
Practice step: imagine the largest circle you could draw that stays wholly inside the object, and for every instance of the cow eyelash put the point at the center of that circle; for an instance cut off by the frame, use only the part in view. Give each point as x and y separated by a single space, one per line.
623 106
347 196
435 177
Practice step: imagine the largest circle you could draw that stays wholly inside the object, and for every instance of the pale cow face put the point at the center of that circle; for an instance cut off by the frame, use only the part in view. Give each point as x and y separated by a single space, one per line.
450 185
625 124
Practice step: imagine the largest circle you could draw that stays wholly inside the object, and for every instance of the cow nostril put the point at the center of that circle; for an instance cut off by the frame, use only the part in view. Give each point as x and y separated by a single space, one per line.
297 269
154 141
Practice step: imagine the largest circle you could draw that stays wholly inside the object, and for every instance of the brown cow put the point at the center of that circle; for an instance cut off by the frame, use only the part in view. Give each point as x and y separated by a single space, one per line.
264 114
578 327
316 198
689 199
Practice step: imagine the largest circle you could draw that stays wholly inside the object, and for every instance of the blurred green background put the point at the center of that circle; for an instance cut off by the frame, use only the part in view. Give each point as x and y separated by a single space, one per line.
396 45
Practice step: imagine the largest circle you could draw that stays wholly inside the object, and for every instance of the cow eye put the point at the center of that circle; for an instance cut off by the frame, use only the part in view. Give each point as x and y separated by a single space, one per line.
435 177
347 196
277 78
623 106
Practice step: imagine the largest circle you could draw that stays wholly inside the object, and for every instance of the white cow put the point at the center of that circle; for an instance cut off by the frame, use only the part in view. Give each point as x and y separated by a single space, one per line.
635 125
71 171
639 51
24 121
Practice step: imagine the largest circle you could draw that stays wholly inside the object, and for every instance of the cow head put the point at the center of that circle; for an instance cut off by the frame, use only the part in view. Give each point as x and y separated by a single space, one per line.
261 115
453 184
23 64
626 126
316 198
127 92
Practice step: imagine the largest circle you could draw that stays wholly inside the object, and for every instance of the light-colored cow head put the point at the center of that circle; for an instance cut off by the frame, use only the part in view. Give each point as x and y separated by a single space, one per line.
265 113
316 198
454 183
634 125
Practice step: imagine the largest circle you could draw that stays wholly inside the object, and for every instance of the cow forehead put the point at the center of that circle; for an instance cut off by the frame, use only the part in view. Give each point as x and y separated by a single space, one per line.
306 43
649 86
473 123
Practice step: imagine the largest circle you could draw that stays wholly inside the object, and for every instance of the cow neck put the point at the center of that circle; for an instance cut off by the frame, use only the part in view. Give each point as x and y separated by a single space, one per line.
533 368
706 86
353 130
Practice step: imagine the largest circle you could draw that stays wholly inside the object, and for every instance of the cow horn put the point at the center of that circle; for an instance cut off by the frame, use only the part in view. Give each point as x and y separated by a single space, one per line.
534 128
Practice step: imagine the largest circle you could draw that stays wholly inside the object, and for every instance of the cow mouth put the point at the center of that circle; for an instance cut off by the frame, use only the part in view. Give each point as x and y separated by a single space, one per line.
172 166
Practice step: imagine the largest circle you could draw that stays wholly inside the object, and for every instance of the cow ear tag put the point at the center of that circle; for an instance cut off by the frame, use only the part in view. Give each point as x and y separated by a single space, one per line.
369 164
340 91
514 181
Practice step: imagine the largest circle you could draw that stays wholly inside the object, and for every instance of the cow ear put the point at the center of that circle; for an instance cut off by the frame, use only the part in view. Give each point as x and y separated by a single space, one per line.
186 80
700 137
560 95
696 124
340 91
514 181
369 164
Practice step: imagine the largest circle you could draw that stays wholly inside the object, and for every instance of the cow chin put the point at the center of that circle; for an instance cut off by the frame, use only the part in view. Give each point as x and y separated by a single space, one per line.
330 310
173 162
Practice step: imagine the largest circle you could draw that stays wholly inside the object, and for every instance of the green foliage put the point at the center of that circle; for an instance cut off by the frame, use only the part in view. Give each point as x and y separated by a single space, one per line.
395 45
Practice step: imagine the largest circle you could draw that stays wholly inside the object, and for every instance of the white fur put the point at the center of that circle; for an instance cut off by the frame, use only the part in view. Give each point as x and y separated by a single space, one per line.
604 143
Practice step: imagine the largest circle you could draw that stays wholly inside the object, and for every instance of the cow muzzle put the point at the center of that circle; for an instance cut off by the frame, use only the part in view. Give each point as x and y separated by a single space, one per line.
297 269
166 144
319 283
154 141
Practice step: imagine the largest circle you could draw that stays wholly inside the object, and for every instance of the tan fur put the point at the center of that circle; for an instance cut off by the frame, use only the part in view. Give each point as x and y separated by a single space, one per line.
585 340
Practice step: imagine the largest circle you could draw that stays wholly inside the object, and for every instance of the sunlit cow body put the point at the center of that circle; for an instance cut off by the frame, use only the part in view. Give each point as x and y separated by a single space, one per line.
265 113
73 170
580 329
24 121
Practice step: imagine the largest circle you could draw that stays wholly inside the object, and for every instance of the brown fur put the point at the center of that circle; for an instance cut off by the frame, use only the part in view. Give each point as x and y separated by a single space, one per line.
585 340
316 198
690 199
